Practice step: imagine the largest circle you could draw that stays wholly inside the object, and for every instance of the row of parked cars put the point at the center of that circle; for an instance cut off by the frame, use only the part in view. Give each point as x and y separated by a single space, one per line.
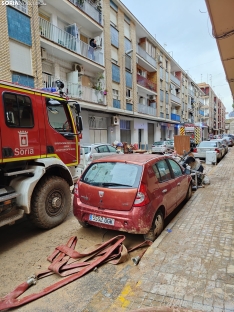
219 144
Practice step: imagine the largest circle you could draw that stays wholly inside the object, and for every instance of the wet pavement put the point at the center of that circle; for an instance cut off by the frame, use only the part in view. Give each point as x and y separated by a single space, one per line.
190 267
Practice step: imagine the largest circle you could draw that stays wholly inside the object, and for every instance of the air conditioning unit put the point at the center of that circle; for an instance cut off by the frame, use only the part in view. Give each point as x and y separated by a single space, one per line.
160 59
152 97
115 121
43 54
79 68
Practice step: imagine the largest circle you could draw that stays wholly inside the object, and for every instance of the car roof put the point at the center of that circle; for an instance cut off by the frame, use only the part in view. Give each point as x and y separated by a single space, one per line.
93 144
134 158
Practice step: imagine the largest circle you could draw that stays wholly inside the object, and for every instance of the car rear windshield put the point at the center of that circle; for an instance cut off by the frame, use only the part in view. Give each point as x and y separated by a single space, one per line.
86 149
113 174
159 143
208 144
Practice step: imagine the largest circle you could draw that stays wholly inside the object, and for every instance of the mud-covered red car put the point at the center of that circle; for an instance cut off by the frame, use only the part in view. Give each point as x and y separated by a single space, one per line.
130 192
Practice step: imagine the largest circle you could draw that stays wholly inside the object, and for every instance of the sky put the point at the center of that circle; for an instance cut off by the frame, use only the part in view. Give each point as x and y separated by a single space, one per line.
183 28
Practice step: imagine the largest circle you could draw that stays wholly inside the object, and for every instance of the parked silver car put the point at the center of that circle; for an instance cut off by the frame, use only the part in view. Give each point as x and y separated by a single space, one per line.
204 146
224 143
161 147
97 150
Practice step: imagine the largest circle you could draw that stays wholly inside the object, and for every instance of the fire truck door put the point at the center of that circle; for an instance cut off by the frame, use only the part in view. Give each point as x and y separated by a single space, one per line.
61 136
19 127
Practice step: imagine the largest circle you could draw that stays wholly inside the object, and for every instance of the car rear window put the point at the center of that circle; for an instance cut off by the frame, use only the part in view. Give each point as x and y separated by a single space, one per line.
159 143
208 144
113 174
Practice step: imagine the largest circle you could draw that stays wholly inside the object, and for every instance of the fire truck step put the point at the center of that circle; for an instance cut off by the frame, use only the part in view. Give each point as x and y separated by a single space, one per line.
10 220
8 196
8 174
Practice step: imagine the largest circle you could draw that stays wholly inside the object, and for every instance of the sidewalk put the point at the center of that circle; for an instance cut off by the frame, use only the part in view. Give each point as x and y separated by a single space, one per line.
190 267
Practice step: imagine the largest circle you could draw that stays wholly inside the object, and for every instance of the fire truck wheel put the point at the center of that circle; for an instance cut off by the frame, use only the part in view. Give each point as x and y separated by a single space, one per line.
51 202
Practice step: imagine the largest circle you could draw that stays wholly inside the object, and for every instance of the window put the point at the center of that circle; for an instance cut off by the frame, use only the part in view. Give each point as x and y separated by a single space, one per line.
20 5
103 149
161 95
20 58
114 36
22 79
115 94
175 168
128 93
113 6
164 171
127 32
128 77
115 73
167 77
19 27
114 55
127 44
58 115
18 110
167 98
113 17
161 73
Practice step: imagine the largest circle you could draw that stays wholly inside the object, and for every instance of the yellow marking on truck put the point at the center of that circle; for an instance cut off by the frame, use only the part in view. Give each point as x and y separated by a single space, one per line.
16 89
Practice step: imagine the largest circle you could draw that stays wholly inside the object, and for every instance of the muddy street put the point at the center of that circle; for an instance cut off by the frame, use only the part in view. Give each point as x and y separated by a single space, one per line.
24 250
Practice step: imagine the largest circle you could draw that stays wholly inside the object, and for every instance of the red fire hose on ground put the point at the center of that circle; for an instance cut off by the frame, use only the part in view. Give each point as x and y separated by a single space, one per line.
65 261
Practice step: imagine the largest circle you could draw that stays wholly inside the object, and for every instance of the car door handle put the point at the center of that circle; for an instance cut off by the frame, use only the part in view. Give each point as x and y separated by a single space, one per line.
178 184
164 191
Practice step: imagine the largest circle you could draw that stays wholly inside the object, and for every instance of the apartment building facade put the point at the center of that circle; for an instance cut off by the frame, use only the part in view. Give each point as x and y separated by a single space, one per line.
214 110
129 86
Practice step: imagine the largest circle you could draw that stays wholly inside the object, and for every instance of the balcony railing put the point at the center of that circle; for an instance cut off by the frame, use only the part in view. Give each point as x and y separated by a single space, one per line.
90 8
175 80
144 82
175 99
146 56
74 90
68 41
145 109
175 117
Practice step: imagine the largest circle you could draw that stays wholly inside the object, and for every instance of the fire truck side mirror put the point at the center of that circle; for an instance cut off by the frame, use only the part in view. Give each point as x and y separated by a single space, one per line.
77 108
79 124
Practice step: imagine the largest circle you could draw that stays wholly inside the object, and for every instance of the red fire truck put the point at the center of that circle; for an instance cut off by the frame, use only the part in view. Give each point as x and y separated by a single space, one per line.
39 154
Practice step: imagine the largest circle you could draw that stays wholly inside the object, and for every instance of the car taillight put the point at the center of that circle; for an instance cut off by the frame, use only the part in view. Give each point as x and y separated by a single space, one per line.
217 150
76 190
142 198
195 150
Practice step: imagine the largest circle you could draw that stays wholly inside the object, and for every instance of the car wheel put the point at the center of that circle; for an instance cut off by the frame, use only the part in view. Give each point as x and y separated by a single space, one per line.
156 228
189 193
84 224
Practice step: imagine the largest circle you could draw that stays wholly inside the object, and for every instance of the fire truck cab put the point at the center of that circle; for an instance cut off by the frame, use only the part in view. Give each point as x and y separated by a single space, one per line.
39 154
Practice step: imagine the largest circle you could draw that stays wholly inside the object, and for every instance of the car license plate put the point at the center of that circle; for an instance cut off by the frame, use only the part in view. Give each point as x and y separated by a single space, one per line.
100 219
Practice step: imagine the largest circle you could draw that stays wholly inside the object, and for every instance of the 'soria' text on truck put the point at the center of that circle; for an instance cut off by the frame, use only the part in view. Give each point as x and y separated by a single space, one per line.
39 154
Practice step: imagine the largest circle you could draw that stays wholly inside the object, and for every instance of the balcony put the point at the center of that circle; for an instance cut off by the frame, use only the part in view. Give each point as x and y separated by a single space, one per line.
74 90
146 83
66 40
175 99
175 117
147 58
90 8
145 109
175 80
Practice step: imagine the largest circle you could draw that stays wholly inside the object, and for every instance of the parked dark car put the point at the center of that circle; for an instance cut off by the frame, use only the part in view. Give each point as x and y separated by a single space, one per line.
130 192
